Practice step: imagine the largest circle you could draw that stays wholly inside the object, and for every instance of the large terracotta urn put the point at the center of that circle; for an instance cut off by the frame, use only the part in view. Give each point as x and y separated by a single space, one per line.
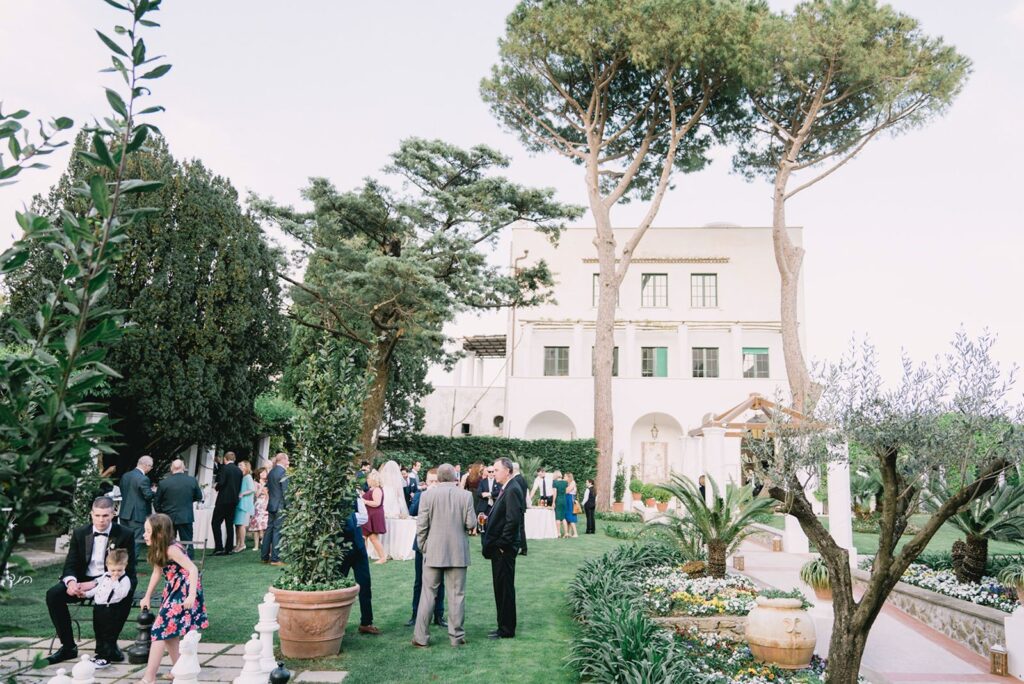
780 632
313 622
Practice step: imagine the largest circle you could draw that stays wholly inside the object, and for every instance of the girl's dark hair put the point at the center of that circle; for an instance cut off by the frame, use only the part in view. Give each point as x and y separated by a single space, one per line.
161 536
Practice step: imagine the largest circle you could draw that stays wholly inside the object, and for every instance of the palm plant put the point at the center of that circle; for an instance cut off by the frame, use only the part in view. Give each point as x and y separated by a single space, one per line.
722 525
995 516
528 467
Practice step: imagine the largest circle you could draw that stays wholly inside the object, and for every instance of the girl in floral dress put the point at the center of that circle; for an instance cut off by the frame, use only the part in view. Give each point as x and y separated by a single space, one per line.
181 607
258 522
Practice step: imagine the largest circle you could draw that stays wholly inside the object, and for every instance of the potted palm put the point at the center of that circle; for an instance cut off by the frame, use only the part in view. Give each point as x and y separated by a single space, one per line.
636 488
314 596
1013 576
648 494
815 574
722 525
619 489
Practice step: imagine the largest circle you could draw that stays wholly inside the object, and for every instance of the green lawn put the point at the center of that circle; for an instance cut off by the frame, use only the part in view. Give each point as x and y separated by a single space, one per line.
235 585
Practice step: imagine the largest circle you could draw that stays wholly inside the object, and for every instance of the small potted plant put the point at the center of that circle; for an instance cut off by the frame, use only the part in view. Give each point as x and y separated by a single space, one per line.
662 496
636 487
815 574
619 488
1013 576
649 492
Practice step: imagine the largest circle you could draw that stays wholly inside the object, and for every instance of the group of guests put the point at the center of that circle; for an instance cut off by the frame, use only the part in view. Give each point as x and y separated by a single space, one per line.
561 494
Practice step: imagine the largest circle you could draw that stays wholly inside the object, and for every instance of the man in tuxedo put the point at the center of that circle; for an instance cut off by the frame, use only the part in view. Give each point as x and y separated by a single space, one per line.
414 476
86 560
228 485
358 563
502 538
446 519
136 497
276 490
417 586
488 490
174 496
543 484
408 486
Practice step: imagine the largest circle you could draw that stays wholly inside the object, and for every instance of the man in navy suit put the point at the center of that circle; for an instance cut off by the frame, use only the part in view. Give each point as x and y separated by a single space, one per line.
136 496
86 560
276 491
417 587
488 490
174 497
358 562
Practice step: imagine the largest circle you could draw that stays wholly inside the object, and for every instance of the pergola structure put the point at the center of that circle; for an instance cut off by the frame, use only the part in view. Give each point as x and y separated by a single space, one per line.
708 442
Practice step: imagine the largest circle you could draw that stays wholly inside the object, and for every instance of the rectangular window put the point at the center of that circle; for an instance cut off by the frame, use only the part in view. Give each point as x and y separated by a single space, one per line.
704 290
466 429
705 362
615 362
654 362
653 289
556 361
755 362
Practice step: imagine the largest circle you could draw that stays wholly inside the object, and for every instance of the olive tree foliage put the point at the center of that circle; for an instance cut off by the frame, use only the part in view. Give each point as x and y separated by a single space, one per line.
830 77
956 419
46 433
386 269
626 89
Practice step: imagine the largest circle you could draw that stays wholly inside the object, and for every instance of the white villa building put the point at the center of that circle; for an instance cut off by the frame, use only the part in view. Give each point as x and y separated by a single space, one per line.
697 331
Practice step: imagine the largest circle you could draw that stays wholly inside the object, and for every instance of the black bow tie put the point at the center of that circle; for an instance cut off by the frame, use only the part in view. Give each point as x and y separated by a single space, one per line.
101 534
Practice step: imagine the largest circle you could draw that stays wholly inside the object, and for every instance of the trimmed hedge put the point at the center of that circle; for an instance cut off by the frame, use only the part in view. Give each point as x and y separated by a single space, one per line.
577 456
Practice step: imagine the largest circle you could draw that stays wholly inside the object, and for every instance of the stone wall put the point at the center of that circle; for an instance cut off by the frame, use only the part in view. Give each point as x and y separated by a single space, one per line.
732 627
976 627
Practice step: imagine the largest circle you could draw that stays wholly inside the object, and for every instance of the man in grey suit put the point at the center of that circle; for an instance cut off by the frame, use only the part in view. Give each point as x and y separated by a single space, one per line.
276 488
446 518
136 496
174 496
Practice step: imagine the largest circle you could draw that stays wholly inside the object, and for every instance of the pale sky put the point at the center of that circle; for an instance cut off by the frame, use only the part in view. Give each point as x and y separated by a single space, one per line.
917 236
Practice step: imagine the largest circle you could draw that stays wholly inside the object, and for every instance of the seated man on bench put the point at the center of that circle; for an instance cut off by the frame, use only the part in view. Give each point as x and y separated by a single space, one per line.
86 562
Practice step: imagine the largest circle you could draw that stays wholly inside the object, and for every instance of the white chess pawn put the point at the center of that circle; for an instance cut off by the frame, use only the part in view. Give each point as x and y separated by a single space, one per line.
83 671
251 672
266 627
60 678
186 670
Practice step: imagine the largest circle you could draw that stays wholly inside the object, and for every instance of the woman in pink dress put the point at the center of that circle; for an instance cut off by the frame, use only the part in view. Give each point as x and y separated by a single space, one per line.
258 522
375 524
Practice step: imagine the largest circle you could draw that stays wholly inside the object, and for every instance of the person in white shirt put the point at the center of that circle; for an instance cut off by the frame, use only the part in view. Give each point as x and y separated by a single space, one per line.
113 585
543 485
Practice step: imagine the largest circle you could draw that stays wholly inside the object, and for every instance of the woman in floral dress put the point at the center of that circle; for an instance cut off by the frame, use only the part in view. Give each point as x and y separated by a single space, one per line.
258 522
181 607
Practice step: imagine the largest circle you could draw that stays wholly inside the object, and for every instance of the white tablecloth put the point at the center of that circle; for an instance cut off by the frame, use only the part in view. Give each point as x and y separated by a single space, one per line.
397 541
540 524
202 530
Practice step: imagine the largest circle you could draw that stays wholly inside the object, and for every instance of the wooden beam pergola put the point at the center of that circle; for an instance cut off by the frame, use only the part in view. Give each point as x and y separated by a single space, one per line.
754 402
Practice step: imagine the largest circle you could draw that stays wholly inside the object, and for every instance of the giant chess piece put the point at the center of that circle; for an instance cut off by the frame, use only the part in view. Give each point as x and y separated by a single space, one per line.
266 628
138 653
83 671
251 673
280 675
186 670
60 678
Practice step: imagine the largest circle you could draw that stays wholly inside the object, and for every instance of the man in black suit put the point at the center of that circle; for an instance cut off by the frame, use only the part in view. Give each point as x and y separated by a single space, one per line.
86 560
502 537
276 503
517 478
488 490
174 496
136 497
228 484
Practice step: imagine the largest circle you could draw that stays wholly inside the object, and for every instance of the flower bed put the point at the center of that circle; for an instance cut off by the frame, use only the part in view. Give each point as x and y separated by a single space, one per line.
667 590
726 662
989 592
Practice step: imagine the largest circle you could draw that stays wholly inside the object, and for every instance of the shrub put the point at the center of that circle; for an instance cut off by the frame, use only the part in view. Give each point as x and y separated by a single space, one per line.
793 593
619 517
620 482
695 568
662 495
636 486
616 532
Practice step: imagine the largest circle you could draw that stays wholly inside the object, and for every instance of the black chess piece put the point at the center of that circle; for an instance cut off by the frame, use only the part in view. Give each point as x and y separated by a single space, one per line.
280 674
138 653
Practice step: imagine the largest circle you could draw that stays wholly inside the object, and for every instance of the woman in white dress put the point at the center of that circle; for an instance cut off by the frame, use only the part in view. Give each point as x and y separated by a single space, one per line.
394 491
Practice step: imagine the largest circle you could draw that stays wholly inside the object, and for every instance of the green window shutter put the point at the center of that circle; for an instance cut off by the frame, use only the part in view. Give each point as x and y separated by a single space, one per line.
661 362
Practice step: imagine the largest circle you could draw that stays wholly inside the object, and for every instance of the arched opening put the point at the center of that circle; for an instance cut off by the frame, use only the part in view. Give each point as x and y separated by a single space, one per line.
550 425
656 443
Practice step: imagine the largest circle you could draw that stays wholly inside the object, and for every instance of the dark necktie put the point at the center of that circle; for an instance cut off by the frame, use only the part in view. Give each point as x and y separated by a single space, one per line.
543 487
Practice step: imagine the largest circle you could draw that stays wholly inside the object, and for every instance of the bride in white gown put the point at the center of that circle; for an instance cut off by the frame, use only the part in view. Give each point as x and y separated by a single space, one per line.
394 494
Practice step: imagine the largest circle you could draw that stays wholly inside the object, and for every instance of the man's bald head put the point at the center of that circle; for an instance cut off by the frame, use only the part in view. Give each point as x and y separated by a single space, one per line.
177 466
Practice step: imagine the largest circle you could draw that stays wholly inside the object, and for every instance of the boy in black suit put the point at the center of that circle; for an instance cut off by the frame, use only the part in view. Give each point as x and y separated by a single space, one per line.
86 561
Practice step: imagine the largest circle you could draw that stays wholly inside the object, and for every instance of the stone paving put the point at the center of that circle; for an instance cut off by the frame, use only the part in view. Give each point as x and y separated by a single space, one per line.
900 649
220 663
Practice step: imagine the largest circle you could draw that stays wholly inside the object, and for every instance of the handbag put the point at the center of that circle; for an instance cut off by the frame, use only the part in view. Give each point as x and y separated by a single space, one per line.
576 508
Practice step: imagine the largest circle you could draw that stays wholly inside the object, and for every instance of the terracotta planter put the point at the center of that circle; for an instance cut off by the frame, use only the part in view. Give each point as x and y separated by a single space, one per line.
662 507
824 594
650 502
780 632
637 496
617 507
313 622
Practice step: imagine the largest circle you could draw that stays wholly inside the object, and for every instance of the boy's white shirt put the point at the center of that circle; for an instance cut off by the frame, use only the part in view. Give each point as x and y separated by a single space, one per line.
104 584
362 515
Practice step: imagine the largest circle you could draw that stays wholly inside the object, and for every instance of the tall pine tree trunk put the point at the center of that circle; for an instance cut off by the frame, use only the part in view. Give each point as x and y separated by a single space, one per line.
376 396
789 259
604 343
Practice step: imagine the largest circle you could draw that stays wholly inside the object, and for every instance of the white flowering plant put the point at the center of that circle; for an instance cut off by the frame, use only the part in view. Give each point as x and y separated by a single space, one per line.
988 592
726 662
667 590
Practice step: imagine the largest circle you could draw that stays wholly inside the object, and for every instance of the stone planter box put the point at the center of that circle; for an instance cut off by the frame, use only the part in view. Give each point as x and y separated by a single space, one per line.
976 627
732 627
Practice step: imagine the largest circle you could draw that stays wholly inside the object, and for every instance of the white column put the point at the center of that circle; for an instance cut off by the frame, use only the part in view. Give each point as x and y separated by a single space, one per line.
692 459
524 355
263 449
794 539
735 367
714 460
629 355
205 475
190 459
478 371
840 515
1014 627
467 369
685 364
578 366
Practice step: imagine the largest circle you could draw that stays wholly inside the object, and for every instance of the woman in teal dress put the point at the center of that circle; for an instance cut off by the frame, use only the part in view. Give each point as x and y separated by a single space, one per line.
246 505
560 486
570 506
